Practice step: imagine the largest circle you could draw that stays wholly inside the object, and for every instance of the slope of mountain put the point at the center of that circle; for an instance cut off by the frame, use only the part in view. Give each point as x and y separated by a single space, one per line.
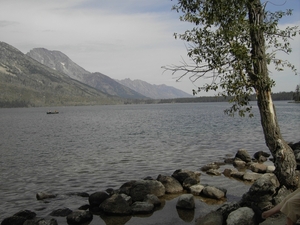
56 60
25 82
60 62
154 91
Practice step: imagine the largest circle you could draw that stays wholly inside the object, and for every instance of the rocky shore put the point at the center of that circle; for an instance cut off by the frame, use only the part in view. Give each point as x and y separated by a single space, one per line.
144 196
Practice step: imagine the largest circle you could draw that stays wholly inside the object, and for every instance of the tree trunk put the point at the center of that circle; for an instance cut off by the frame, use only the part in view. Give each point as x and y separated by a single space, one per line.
284 158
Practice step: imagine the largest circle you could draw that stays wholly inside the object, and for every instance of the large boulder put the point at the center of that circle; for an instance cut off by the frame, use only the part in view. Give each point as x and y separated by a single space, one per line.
186 201
243 215
97 198
170 183
264 189
116 205
139 189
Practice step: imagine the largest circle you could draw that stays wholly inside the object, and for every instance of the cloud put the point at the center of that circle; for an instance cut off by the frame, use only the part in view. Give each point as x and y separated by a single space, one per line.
120 38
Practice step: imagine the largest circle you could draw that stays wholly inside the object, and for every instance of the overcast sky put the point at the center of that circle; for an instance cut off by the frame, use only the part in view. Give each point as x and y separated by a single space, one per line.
119 38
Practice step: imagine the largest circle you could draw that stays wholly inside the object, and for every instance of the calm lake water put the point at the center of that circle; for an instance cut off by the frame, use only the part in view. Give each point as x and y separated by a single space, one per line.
89 149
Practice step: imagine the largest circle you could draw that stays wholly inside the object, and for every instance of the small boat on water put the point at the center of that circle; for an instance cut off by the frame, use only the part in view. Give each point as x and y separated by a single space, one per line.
52 112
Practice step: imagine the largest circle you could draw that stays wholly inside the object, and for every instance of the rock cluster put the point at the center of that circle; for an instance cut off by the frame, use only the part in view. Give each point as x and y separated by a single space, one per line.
143 196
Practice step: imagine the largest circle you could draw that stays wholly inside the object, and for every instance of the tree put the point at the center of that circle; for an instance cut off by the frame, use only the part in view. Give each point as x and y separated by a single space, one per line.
232 43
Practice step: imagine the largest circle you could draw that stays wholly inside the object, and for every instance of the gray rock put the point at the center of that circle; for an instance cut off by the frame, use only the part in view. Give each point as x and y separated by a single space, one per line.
213 172
243 215
238 175
251 176
210 166
26 214
138 189
170 183
213 192
258 167
264 189
186 201
97 198
190 181
182 175
196 189
152 199
142 208
243 155
79 217
43 195
237 162
13 220
61 212
116 205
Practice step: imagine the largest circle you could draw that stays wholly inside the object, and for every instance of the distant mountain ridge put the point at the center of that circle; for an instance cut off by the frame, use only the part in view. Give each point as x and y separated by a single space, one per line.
126 88
25 82
154 91
60 62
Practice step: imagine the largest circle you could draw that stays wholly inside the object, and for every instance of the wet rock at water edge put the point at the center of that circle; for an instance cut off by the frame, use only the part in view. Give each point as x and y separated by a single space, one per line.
13 220
170 183
116 205
186 201
152 199
196 189
142 208
61 212
97 198
19 218
213 192
79 217
43 195
243 155
186 178
27 214
139 189
209 166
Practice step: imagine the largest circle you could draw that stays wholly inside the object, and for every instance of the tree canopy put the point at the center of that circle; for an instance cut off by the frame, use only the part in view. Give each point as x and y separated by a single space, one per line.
220 46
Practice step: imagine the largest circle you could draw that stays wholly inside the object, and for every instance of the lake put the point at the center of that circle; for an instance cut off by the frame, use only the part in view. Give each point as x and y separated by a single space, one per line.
92 148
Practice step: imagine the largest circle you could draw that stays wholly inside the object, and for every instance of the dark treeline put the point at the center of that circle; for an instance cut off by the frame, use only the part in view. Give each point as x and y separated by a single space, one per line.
14 104
281 96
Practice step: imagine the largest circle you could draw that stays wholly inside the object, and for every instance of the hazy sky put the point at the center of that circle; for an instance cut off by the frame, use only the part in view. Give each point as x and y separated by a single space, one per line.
119 38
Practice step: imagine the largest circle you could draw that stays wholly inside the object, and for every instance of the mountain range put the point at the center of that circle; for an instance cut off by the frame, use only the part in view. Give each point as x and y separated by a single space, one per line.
126 88
50 78
25 82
